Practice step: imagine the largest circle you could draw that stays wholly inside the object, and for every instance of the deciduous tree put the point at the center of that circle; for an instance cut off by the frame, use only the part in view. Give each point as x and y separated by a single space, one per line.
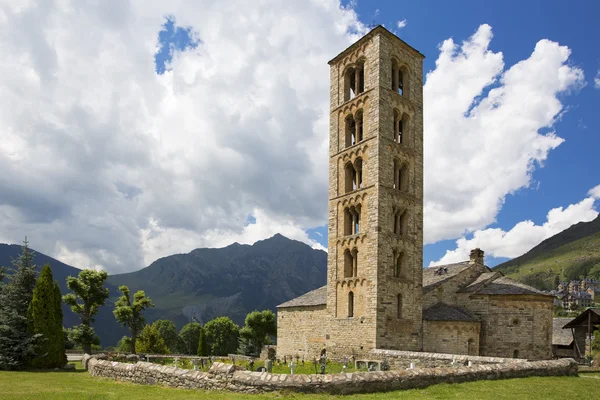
260 326
168 332
89 294
189 336
222 336
130 314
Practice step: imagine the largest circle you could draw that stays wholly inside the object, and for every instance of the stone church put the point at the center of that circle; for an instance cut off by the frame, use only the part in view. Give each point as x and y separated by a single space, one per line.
378 296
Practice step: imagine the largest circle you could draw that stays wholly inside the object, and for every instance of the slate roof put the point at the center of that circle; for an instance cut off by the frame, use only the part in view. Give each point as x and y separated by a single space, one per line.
444 312
504 285
560 336
435 276
317 297
583 317
481 279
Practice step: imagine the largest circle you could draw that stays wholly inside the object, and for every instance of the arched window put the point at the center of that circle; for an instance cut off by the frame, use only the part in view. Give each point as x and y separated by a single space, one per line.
349 84
402 229
350 304
353 175
516 354
358 174
354 81
400 82
400 176
399 306
394 75
350 176
348 264
398 265
350 128
402 130
352 220
359 126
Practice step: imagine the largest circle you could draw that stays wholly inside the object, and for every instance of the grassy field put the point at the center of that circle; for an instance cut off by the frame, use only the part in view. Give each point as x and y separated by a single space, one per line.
81 386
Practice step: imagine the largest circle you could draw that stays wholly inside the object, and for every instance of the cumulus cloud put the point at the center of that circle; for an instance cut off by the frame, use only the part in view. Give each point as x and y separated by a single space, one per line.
107 164
482 127
401 24
524 235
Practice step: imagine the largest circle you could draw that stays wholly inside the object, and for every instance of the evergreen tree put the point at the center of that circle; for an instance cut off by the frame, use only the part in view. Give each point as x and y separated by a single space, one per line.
46 319
130 314
168 332
88 287
17 343
150 341
202 344
222 336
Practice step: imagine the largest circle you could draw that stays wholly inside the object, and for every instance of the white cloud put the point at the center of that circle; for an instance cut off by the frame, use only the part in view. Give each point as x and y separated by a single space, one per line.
524 235
595 192
401 24
597 80
482 128
107 164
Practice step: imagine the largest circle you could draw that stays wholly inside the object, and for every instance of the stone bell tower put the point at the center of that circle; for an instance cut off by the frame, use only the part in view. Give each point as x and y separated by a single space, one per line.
374 279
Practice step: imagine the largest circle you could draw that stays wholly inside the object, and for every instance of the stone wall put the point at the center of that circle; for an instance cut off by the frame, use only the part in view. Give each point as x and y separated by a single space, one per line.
451 337
518 326
403 359
227 377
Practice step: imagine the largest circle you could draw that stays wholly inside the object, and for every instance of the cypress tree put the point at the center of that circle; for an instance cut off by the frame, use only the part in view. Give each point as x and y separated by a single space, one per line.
202 344
46 319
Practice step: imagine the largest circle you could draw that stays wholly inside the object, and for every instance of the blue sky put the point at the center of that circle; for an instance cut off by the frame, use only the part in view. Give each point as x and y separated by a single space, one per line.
169 124
573 168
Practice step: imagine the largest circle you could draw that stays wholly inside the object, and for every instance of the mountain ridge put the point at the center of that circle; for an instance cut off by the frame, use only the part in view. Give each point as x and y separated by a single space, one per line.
206 282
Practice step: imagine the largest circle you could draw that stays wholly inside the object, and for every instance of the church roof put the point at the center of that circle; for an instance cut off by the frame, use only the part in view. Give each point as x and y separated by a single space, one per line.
481 280
317 297
372 32
504 285
444 312
435 276
560 336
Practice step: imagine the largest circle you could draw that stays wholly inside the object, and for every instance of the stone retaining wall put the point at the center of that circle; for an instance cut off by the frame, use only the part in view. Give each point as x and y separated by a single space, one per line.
228 377
402 359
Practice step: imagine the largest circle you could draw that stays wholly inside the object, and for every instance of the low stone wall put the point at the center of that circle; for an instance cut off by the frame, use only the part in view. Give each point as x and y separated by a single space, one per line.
402 359
228 377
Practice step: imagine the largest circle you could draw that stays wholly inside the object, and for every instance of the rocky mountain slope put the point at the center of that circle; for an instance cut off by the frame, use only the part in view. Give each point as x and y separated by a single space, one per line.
206 283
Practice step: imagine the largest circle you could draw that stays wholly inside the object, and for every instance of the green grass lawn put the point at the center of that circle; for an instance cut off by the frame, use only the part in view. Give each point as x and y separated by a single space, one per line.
80 385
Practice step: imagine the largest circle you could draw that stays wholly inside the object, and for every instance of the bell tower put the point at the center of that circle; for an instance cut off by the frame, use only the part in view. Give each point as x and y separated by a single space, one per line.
374 279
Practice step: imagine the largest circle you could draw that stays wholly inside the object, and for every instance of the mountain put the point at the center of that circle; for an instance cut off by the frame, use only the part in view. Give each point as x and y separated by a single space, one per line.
570 254
232 281
206 283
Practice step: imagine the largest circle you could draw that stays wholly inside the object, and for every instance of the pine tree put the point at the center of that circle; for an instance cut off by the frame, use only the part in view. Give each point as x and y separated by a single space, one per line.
46 320
17 343
130 314
89 288
202 344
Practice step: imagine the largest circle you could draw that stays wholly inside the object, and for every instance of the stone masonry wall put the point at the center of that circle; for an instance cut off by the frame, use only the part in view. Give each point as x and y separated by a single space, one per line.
226 377
403 359
451 337
513 325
